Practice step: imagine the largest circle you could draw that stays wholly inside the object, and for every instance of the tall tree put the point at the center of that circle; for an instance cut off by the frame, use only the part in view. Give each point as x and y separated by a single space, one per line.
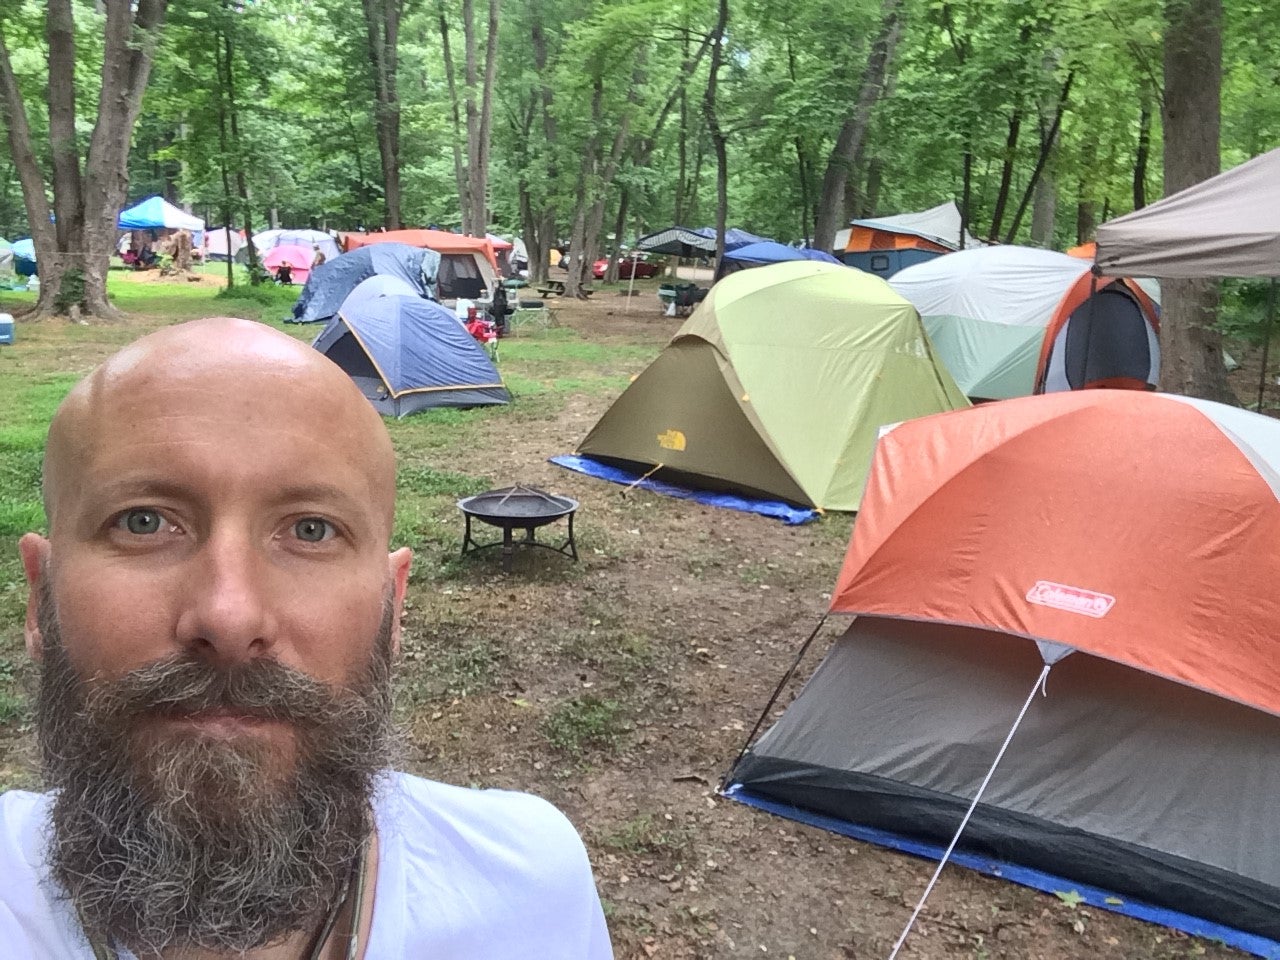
74 240
479 115
382 27
719 140
854 128
1192 356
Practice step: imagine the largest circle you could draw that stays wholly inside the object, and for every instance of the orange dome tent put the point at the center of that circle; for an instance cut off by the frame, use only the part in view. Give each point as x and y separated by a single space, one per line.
468 265
1122 546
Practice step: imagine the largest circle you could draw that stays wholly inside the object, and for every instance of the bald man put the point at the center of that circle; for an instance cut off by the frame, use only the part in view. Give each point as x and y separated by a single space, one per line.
216 615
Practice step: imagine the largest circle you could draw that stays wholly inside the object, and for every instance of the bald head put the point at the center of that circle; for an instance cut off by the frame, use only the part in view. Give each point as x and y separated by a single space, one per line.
220 381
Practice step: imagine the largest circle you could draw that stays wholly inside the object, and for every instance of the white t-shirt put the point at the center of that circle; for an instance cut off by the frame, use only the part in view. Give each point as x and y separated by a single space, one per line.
462 875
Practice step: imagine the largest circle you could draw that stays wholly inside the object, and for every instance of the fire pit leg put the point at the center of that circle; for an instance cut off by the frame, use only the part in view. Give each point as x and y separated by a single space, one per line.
573 548
466 536
508 549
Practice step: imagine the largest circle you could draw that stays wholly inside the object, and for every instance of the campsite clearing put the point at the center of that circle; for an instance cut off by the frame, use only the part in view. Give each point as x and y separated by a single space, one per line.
620 687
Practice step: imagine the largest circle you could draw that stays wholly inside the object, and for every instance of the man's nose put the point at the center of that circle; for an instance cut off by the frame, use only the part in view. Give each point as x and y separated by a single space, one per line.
227 617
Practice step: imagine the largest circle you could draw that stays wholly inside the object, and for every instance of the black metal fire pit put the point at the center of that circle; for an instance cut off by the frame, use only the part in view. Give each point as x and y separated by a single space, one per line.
517 508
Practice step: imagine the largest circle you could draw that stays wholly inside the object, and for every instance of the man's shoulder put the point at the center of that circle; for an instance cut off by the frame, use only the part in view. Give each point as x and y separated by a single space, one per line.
467 816
23 815
491 873
34 921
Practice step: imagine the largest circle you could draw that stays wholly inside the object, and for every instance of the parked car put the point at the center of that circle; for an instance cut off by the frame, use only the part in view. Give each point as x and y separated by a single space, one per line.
643 268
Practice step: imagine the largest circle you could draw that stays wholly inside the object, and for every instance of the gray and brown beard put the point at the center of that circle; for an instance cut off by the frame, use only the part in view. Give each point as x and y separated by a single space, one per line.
190 841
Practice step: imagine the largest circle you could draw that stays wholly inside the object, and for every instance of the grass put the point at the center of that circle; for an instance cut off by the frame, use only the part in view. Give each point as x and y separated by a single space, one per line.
585 724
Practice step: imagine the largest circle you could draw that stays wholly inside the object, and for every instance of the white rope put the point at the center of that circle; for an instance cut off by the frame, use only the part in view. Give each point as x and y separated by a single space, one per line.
1040 681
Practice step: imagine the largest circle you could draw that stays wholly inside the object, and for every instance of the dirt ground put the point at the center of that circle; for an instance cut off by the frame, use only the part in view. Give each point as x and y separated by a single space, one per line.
622 687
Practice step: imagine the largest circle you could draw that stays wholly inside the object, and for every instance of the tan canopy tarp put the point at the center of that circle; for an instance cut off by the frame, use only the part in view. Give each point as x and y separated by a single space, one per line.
1227 226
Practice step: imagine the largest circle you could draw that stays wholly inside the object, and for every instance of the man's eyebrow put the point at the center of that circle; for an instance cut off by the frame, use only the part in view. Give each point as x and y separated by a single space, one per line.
127 488
315 493
140 488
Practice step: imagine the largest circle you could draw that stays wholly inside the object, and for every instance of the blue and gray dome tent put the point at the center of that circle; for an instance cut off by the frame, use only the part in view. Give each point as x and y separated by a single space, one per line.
330 284
767 251
408 354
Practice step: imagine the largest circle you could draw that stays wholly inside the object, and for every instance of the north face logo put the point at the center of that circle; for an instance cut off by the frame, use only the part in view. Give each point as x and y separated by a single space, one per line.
1071 599
671 440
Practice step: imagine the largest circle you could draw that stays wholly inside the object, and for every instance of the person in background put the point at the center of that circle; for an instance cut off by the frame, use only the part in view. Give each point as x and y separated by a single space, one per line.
216 617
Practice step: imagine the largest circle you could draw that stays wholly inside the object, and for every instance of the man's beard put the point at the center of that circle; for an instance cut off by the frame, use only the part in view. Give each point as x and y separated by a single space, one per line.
166 840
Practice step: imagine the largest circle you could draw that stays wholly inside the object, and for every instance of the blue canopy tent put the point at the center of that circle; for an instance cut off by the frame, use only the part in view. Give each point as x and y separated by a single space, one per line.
156 213
408 354
764 252
330 284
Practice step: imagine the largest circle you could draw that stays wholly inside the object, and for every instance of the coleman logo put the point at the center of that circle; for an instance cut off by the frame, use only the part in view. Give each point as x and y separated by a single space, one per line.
1070 599
671 440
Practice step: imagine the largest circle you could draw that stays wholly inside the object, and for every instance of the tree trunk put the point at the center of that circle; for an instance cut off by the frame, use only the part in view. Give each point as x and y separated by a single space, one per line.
1192 355
619 224
459 165
475 215
382 30
1143 153
545 216
871 195
242 188
682 147
966 193
718 141
1044 210
586 175
74 254
854 128
1048 139
1006 171
1086 215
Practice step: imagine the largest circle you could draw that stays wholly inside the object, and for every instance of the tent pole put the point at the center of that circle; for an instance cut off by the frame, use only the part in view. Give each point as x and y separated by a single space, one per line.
724 781
969 813
631 284
1266 341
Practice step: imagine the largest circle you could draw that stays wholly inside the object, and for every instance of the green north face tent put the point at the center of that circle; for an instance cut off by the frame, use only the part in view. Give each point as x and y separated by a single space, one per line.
777 386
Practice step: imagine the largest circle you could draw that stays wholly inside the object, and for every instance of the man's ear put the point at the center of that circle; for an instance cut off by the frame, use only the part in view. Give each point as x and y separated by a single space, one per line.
34 550
398 564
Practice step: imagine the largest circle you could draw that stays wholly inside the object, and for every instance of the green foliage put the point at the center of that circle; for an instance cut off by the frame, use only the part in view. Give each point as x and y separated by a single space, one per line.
586 723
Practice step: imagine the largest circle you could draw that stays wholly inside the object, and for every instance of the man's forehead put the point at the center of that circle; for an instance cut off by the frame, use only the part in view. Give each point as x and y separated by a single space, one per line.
217 380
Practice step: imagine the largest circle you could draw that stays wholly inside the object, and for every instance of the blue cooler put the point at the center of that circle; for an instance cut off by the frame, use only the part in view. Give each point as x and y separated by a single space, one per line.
6 328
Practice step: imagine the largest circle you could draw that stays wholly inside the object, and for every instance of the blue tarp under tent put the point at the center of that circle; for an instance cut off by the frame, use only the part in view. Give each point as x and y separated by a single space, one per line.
330 284
765 252
408 354
693 243
788 513
156 213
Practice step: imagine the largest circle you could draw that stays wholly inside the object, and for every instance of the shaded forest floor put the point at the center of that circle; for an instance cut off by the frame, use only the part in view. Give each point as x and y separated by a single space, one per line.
619 687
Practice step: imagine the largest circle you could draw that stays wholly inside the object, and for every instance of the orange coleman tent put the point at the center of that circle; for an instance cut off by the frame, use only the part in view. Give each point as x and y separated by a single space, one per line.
1068 602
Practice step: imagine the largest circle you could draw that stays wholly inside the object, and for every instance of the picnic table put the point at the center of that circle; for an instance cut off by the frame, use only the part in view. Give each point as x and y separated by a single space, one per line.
555 288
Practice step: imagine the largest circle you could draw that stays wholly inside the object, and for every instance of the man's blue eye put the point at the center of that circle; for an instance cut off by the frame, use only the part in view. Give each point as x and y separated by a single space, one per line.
312 530
143 522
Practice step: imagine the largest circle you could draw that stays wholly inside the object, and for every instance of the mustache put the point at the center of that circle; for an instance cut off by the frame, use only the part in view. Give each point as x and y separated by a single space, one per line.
180 685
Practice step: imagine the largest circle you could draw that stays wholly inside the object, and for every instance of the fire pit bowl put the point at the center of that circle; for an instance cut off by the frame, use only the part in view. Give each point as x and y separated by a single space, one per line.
517 508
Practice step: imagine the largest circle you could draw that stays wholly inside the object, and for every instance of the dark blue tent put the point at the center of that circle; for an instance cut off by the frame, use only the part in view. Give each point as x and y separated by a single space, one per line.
408 354
767 251
330 283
